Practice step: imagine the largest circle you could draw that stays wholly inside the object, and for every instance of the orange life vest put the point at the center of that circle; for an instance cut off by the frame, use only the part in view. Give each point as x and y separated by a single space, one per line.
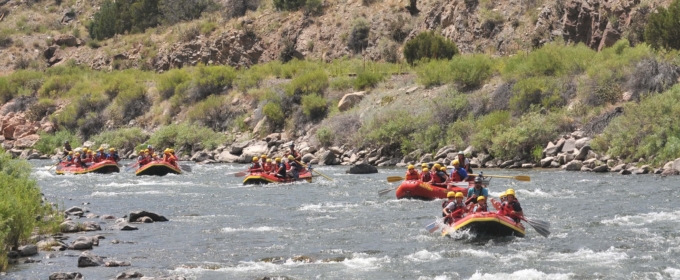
412 175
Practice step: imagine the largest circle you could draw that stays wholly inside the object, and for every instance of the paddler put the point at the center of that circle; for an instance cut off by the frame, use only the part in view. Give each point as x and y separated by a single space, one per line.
90 157
425 175
513 209
255 166
169 157
464 162
450 197
455 210
293 153
151 151
78 161
438 177
142 159
67 148
499 205
478 190
268 167
458 174
411 173
113 155
480 206
295 167
69 158
280 168
100 156
263 160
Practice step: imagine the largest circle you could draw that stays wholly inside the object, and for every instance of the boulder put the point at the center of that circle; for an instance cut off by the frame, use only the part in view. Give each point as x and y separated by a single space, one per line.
66 276
88 259
350 100
601 168
658 171
28 250
676 164
129 275
363 168
507 163
670 172
200 156
255 150
552 149
555 164
26 141
475 163
586 169
69 226
546 162
124 226
227 157
307 158
327 158
91 216
91 226
668 165
527 165
66 40
237 148
426 158
583 152
574 165
75 209
144 219
108 217
84 243
138 214
444 152
580 143
116 264
618 168
624 172
569 145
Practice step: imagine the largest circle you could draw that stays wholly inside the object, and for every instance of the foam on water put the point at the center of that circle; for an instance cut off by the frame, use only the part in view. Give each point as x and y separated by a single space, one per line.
610 256
478 253
328 207
524 274
108 194
673 272
241 267
362 261
255 229
642 219
423 256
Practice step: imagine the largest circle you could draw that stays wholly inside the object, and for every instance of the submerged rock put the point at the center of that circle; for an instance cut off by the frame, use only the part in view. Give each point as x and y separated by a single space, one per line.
363 168
69 226
138 214
117 264
88 259
129 275
28 250
66 276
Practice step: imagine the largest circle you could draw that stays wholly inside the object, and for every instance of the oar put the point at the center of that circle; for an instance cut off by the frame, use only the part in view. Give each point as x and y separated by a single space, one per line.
131 166
386 191
523 178
317 172
240 174
432 227
58 162
185 167
393 179
542 227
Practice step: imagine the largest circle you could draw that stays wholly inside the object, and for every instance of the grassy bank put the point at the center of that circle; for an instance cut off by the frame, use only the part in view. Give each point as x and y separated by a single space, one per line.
21 208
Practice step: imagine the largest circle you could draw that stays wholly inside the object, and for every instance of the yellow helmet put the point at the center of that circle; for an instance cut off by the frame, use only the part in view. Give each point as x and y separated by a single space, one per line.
290 157
167 150
269 160
278 159
101 149
255 159
146 151
424 165
442 168
70 152
89 152
510 192
155 155
459 194
436 166
84 150
112 150
455 162
426 169
171 150
481 197
451 194
411 167
77 153
141 151
504 195
263 156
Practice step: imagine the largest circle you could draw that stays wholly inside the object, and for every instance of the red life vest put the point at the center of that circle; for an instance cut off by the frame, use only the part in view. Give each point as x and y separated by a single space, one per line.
436 179
412 175
455 177
426 177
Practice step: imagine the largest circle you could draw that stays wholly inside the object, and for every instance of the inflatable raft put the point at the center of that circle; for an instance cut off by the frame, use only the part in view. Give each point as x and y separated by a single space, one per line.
103 167
417 189
261 178
158 168
488 224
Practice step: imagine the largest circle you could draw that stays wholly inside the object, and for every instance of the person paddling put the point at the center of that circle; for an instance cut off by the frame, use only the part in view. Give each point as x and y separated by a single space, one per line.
78 161
411 173
513 209
268 167
280 169
113 155
295 168
480 206
438 177
142 159
67 148
458 174
455 210
255 166
69 158
293 153
450 197
425 175
100 156
464 162
478 190
169 157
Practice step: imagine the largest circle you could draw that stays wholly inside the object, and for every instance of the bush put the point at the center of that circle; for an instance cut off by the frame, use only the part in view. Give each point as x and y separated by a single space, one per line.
186 136
541 91
314 106
358 37
123 138
274 113
129 98
43 108
429 45
531 130
83 114
367 79
313 7
20 204
325 136
470 71
48 142
124 16
6 93
662 28
174 11
433 73
213 112
169 81
342 83
343 130
289 5
314 82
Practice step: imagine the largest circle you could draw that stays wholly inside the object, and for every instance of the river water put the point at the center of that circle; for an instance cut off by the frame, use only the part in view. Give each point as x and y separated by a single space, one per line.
604 226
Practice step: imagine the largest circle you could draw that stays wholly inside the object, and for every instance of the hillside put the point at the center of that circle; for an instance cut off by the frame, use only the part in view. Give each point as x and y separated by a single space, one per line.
331 77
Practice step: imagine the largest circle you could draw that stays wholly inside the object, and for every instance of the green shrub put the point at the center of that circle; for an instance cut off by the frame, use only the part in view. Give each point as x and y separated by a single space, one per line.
57 85
313 7
470 71
83 114
367 79
541 91
662 28
531 130
274 113
20 204
289 5
169 81
208 27
325 136
48 142
213 112
186 136
43 108
315 82
358 37
433 73
314 106
342 83
123 138
429 45
124 16
6 93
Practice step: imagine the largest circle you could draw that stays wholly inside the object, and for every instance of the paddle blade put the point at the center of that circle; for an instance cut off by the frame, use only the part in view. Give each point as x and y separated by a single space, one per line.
385 191
323 175
240 174
393 179
523 178
432 227
540 227
185 168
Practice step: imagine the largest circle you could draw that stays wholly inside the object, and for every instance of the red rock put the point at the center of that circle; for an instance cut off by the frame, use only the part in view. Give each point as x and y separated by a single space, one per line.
8 131
27 142
24 130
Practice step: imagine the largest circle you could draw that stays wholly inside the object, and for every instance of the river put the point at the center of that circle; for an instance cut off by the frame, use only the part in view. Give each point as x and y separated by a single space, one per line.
604 226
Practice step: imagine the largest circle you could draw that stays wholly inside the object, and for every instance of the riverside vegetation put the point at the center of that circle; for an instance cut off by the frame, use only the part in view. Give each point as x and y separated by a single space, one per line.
22 210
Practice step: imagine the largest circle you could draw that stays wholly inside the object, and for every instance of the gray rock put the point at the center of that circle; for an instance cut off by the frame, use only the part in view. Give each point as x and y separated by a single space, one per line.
569 145
601 168
255 150
483 158
28 250
670 172
362 169
443 152
92 216
307 158
426 158
507 163
138 214
91 226
200 156
88 259
475 163
145 220
69 226
551 149
129 275
527 165
555 164
591 163
658 171
336 150
327 158
546 162
227 157
82 244
108 217
618 168
75 210
349 100
585 169
237 148
625 172
124 226
574 165
676 164
583 152
580 143
13 254
66 276
116 264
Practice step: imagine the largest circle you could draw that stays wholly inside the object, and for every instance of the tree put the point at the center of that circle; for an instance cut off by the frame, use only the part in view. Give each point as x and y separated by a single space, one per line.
289 5
663 28
358 37
429 45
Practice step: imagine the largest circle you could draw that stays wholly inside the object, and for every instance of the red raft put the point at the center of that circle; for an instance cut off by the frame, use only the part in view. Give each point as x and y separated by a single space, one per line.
103 167
488 224
417 189
158 168
260 178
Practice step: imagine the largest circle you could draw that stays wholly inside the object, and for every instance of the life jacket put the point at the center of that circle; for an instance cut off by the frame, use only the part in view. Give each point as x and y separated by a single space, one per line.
455 177
508 208
446 202
426 177
267 167
412 175
255 167
281 171
295 166
480 208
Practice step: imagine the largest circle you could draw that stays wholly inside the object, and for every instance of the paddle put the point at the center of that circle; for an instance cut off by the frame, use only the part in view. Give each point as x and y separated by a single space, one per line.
185 167
386 191
542 227
523 178
240 174
432 227
56 164
130 166
393 179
